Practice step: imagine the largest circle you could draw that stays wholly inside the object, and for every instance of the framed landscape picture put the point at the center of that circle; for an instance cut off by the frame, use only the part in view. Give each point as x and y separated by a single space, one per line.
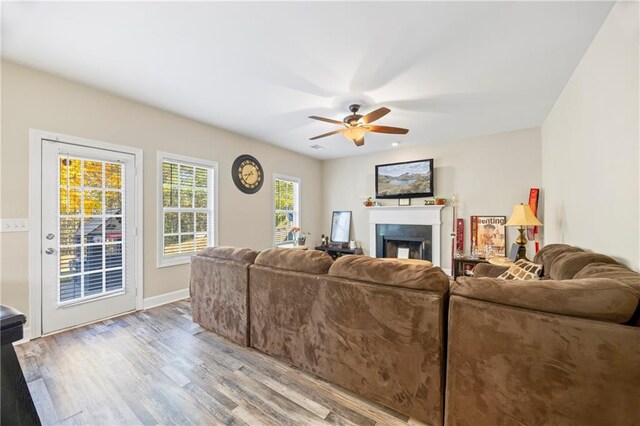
489 234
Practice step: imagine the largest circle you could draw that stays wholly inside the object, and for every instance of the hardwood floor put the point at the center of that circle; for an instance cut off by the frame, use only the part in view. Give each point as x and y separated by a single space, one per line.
158 367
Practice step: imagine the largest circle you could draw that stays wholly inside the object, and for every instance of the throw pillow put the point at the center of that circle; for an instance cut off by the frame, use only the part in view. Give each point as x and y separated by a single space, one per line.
522 270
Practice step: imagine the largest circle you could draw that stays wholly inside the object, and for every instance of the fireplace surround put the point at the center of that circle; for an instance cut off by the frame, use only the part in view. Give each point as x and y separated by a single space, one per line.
425 221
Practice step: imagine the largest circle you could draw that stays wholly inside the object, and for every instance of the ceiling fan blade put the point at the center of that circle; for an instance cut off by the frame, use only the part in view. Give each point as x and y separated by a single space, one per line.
375 115
335 132
359 142
387 129
328 120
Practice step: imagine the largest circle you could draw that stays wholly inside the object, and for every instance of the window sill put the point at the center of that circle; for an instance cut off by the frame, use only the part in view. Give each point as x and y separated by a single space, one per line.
167 262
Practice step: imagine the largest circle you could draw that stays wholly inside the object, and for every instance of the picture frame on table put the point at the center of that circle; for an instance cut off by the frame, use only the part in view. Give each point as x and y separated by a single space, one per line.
404 201
489 234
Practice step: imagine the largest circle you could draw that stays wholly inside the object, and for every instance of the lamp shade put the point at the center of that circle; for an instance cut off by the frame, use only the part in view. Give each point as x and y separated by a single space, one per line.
523 216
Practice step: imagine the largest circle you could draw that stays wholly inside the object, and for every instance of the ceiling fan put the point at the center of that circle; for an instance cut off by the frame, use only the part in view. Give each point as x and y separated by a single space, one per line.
356 125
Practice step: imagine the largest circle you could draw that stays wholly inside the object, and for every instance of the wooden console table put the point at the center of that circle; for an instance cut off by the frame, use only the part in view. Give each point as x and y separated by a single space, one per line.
337 252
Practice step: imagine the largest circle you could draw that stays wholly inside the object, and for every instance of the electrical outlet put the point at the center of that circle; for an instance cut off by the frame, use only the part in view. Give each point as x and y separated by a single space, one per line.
14 225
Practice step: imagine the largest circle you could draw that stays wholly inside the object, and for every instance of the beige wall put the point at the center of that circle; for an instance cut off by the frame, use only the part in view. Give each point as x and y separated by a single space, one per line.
31 99
590 139
488 175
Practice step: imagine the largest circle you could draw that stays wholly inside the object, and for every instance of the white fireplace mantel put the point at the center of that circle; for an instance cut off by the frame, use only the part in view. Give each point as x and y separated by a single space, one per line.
407 215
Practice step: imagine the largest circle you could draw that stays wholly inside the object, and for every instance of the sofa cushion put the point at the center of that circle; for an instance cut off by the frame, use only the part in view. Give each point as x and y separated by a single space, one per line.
245 255
568 264
310 261
617 272
602 299
369 269
522 270
548 255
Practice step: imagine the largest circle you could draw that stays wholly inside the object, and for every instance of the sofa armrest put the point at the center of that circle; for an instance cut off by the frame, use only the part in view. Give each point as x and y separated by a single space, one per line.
592 298
487 270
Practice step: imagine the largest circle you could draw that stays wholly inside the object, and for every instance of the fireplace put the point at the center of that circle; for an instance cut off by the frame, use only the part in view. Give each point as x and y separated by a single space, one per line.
415 238
414 227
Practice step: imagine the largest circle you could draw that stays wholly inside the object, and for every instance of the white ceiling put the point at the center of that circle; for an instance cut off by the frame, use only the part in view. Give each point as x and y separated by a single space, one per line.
446 70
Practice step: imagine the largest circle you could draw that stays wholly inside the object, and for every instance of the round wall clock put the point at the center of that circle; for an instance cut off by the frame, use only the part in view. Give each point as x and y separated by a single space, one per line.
247 174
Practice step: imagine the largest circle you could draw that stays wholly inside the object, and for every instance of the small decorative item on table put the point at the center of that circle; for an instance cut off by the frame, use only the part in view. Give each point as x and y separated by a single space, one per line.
295 232
430 202
404 201
440 201
368 202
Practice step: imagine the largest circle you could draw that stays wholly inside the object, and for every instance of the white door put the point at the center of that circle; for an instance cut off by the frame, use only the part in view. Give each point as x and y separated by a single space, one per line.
88 234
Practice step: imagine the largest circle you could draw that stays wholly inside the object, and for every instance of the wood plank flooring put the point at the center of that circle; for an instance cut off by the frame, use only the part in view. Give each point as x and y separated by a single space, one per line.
158 367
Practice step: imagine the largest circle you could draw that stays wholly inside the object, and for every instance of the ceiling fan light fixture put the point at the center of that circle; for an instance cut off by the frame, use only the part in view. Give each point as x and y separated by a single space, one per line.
354 133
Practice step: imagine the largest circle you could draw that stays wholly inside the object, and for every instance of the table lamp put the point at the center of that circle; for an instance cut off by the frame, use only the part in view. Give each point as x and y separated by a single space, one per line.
522 216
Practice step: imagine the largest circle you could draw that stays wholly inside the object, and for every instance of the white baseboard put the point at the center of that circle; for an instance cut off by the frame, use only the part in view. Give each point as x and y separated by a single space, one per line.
26 336
163 299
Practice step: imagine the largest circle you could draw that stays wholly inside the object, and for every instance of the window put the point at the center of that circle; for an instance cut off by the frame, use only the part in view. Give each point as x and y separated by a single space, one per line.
186 207
286 199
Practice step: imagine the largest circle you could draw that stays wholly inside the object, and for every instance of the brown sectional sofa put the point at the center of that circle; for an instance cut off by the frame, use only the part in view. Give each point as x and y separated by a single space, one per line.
563 350
373 327
219 289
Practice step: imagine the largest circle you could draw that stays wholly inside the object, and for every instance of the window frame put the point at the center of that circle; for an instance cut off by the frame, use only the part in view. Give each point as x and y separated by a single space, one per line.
297 204
212 233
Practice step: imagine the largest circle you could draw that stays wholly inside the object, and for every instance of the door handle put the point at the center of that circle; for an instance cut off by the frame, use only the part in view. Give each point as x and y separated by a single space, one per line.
50 251
50 237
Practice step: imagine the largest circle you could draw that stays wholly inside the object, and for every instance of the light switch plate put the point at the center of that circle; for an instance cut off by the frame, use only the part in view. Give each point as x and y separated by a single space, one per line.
14 225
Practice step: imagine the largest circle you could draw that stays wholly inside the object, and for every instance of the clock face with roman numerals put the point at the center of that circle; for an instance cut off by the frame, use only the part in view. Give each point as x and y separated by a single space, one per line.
247 174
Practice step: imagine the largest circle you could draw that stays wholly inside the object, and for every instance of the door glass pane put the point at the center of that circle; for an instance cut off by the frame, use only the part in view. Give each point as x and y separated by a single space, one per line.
70 201
114 280
92 202
91 225
92 284
113 229
70 288
93 174
113 202
69 230
113 175
68 261
113 256
93 258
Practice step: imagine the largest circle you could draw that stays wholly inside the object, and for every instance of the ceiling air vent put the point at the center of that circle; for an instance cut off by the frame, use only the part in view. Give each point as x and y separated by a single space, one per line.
317 147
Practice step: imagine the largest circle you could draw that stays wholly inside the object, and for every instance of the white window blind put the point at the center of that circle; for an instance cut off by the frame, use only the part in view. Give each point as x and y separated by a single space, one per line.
187 208
286 197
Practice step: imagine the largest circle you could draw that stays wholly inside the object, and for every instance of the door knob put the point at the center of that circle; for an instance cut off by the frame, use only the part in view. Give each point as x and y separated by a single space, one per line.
50 251
50 237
